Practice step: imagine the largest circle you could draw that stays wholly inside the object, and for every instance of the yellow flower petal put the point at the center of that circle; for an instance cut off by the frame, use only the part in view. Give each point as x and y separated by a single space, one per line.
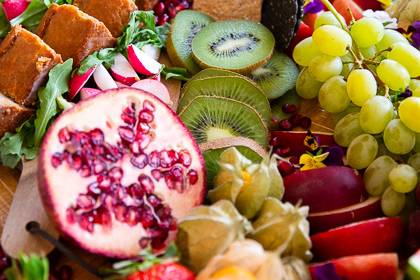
386 3
321 158
306 159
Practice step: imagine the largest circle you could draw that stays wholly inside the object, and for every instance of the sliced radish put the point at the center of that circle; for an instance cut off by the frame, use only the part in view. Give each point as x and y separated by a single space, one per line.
123 72
14 8
141 62
86 93
121 85
156 88
77 82
103 79
152 51
156 77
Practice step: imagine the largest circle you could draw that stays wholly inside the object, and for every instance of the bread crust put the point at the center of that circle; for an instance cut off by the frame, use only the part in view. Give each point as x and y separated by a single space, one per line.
146 5
12 115
230 9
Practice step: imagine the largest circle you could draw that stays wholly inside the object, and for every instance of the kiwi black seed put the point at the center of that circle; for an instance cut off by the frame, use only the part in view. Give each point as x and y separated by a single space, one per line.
277 76
183 30
236 45
211 118
236 88
281 17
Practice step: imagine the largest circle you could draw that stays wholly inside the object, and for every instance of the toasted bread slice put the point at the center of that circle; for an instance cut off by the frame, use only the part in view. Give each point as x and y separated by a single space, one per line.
115 14
12 115
25 61
230 9
146 5
73 33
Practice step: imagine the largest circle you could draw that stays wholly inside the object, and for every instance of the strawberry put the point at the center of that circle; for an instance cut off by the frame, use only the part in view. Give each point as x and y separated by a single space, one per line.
166 271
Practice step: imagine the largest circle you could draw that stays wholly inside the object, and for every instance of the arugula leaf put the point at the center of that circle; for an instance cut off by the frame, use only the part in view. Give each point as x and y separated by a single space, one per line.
57 85
176 73
28 268
4 23
104 56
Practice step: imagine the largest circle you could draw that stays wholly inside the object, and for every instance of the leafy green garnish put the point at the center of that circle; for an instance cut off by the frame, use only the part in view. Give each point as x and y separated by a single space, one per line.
28 268
4 23
57 85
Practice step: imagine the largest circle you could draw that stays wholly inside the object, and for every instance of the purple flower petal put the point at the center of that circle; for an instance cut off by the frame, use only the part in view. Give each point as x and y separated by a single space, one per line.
416 25
415 37
326 272
313 7
335 157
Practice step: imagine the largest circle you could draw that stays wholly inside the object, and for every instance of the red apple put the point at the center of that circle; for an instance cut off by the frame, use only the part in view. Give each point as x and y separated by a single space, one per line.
324 189
304 31
373 236
368 209
343 7
366 267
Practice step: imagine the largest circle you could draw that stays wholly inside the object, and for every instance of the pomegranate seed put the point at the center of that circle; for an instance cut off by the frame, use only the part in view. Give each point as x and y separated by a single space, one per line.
166 160
102 216
143 128
162 19
183 6
126 133
120 212
177 173
154 159
146 219
86 202
156 174
192 177
285 125
97 136
146 117
153 200
184 158
120 192
135 148
104 183
275 141
172 12
148 106
289 108
144 140
294 119
139 161
71 215
132 217
130 110
159 8
85 171
93 189
146 183
144 242
64 135
169 181
136 191
56 160
305 123
285 168
99 150
283 152
98 166
86 222
294 160
116 174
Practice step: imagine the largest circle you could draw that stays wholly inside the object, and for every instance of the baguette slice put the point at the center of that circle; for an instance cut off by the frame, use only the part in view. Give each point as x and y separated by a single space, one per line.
12 115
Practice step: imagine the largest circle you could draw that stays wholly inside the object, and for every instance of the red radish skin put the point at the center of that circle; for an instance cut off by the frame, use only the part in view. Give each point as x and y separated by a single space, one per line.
103 79
366 267
368 209
156 88
324 189
123 72
81 134
373 236
14 8
78 81
141 62
86 93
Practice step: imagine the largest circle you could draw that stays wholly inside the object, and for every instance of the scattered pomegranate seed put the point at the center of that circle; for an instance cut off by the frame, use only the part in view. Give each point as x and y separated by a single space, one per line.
285 125
289 108
305 123
285 168
283 152
295 119
167 10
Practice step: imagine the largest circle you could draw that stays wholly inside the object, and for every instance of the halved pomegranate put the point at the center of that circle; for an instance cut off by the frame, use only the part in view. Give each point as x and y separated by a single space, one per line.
117 170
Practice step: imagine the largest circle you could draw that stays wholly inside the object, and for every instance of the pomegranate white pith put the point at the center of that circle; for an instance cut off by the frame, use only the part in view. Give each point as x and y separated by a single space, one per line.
98 187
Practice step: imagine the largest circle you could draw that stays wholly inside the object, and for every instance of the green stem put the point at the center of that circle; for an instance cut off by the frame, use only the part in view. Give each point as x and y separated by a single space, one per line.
337 15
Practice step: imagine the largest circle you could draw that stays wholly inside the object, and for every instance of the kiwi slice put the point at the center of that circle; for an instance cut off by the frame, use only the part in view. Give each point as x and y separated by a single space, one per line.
213 117
184 27
237 45
290 97
211 72
236 88
277 76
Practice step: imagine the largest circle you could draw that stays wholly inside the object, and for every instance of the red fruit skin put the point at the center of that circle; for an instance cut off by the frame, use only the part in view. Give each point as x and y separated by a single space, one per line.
173 271
304 31
368 209
367 267
380 235
310 19
342 7
14 8
369 4
294 140
324 189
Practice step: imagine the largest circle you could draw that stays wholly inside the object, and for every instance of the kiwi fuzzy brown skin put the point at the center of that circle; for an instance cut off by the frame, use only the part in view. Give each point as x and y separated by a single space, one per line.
249 58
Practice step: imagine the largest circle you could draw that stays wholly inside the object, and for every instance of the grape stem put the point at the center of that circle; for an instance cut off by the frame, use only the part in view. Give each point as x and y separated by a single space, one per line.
381 52
358 61
369 61
387 92
331 8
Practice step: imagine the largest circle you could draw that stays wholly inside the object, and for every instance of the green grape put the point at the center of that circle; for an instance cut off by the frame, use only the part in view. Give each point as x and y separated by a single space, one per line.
305 51
390 37
393 74
347 65
368 52
332 40
327 18
362 151
417 145
376 175
361 86
403 178
409 111
392 202
306 85
375 114
408 56
367 32
414 161
333 96
324 67
347 129
416 92
414 84
398 138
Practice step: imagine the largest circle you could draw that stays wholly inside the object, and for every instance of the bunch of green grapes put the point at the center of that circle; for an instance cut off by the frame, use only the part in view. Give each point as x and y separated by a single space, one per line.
367 69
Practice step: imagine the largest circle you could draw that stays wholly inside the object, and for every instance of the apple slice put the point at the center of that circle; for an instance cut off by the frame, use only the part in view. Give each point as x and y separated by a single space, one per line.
373 236
14 8
366 267
152 51
103 79
325 189
86 93
78 81
156 88
368 209
141 62
123 72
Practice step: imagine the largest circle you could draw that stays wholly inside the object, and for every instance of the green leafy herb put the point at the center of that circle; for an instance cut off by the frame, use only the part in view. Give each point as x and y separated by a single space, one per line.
28 268
4 23
57 85
104 56
176 73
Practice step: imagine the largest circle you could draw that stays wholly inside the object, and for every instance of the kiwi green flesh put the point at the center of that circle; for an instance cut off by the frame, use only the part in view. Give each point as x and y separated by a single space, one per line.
290 97
237 45
183 30
205 115
236 88
277 76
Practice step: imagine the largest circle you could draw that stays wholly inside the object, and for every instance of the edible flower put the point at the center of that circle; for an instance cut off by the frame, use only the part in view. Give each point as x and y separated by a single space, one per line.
311 142
388 21
385 3
415 34
312 6
335 156
326 272
309 161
